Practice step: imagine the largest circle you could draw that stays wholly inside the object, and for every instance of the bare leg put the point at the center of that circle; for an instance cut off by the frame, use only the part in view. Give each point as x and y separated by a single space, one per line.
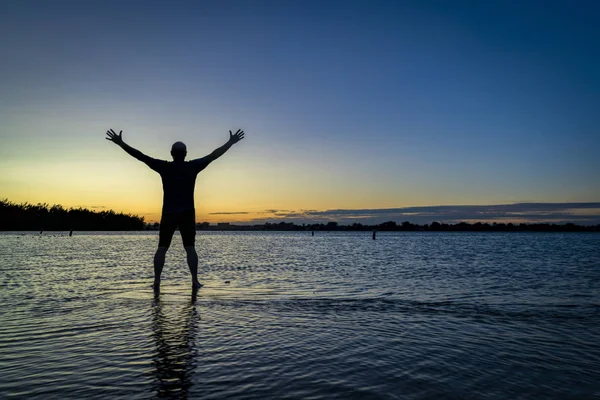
159 262
192 260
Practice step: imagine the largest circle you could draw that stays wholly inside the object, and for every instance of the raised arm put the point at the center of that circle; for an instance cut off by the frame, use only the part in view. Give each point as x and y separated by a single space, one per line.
118 140
233 139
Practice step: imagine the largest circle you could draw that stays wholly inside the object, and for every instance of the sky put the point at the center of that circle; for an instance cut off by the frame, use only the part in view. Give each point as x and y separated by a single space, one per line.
353 111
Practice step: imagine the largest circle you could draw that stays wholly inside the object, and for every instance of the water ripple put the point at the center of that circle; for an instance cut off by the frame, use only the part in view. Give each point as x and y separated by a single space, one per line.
286 315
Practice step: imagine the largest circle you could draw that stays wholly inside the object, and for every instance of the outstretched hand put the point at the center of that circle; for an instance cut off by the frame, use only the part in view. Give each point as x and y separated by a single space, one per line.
113 137
236 137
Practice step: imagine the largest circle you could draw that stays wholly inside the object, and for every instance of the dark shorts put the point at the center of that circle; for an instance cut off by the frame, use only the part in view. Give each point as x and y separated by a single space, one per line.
185 220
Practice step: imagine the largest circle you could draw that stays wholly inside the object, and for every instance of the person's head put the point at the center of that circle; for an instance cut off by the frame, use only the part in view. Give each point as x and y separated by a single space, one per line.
178 151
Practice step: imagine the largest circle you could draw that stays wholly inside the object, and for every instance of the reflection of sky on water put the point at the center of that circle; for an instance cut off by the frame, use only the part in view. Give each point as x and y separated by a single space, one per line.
336 315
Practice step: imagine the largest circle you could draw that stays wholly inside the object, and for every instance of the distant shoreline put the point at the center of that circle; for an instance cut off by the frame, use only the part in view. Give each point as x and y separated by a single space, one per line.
27 217
516 228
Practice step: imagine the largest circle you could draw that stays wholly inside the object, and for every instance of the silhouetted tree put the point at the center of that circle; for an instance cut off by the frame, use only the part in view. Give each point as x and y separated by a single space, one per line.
331 226
25 216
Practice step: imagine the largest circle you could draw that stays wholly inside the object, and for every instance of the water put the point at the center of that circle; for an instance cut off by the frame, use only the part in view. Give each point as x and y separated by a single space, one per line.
338 315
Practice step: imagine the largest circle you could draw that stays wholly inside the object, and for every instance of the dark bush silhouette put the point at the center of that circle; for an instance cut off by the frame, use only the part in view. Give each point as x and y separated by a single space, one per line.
27 217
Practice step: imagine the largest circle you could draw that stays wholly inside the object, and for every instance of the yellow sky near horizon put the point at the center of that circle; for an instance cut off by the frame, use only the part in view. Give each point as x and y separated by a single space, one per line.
73 165
129 186
245 180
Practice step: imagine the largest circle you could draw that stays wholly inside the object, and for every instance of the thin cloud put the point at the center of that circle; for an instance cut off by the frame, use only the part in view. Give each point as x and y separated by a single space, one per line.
229 213
522 212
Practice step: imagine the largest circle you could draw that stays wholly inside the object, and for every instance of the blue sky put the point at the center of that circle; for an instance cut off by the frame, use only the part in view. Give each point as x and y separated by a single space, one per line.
346 105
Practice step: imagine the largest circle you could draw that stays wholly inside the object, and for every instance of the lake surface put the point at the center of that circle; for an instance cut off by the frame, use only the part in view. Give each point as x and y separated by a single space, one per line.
338 315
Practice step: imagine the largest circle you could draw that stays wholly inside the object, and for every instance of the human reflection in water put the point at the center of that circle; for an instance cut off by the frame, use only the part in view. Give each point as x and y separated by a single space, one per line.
174 334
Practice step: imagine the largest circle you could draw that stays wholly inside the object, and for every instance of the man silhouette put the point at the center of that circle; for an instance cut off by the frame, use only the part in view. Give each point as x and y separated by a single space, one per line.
178 180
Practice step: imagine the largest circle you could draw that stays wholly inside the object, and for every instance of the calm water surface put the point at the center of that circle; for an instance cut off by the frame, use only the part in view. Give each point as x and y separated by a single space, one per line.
338 315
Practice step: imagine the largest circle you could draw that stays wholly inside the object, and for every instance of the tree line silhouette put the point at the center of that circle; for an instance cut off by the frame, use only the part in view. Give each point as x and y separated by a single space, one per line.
27 217
30 217
392 226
